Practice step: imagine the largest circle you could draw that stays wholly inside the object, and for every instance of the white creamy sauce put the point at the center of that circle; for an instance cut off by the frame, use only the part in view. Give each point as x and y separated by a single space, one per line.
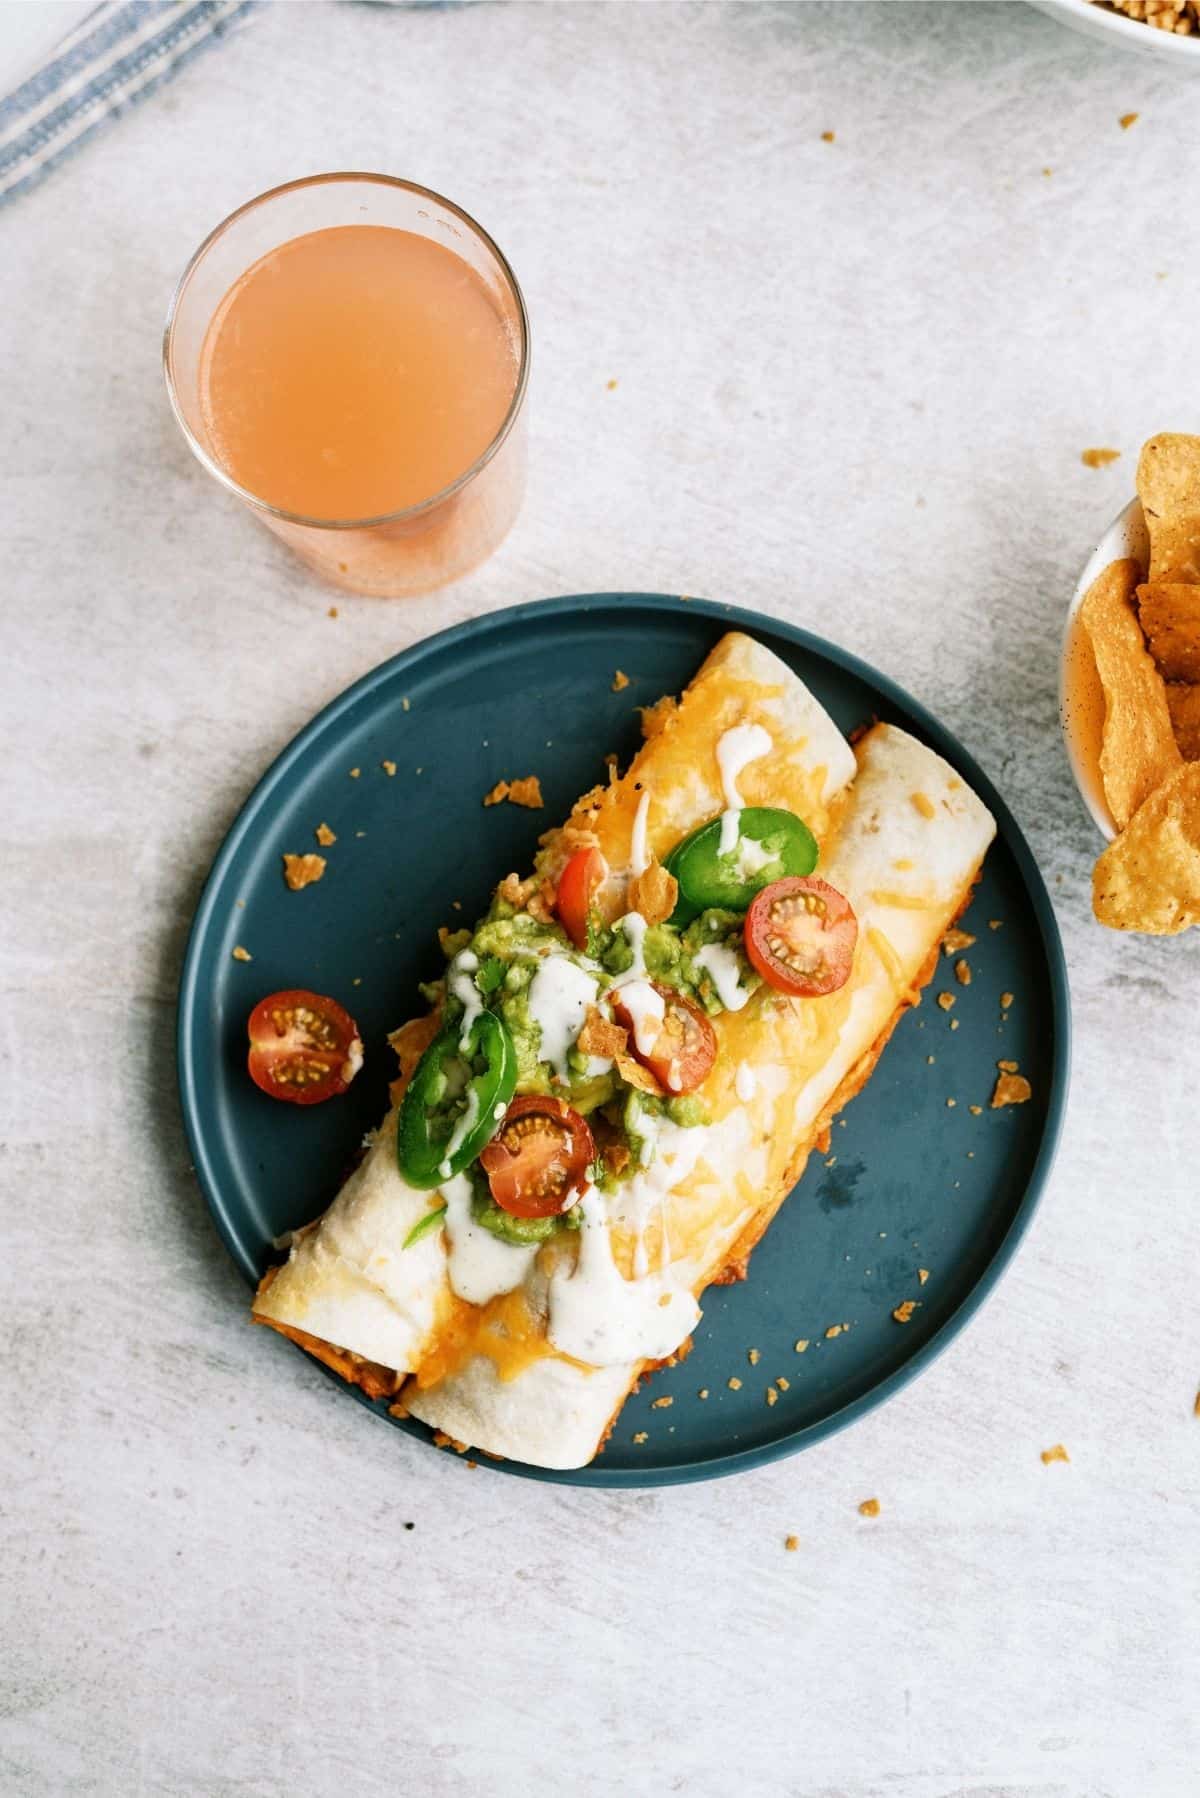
723 968
559 997
745 1082
676 1152
646 1009
467 1121
639 855
736 749
600 1317
479 1265
750 858
462 984
635 928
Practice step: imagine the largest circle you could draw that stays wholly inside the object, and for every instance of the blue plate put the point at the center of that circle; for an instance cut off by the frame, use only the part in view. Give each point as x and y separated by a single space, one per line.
911 1181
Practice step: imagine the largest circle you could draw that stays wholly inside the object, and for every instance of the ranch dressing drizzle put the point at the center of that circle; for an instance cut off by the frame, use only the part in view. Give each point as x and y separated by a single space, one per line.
644 1005
745 1082
559 997
639 855
599 1317
724 969
480 1266
736 749
463 987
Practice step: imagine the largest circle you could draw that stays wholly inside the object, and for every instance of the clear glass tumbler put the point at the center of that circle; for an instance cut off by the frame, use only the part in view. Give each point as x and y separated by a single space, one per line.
418 546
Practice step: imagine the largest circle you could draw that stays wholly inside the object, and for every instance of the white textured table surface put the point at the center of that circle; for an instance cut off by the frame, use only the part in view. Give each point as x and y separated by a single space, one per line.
854 383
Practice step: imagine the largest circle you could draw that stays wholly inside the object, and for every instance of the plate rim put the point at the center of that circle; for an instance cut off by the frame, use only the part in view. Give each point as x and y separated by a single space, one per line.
499 622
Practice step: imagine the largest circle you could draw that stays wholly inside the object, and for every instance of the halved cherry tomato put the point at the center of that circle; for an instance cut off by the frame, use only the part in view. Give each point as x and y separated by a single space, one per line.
578 885
303 1048
685 1047
538 1159
800 935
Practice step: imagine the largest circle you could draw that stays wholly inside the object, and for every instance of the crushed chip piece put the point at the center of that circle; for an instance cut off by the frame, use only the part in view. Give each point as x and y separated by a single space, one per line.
1128 118
640 1436
1138 749
526 791
1098 458
333 611
324 835
955 941
1057 1453
783 1383
975 1110
995 923
951 1103
734 1384
302 870
1011 1089
703 1392
922 1274
753 1356
834 1330
1149 878
962 972
1008 1067
869 1507
240 954
656 717
801 1345
600 1036
946 1001
662 1404
791 1543
354 773
1006 1000
654 894
620 679
634 1074
389 768
772 1396
904 1311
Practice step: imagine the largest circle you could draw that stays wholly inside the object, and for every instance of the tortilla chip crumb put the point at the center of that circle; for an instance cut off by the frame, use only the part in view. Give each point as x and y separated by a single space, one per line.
641 1436
954 1023
703 1392
903 1312
1057 1453
950 1104
834 1330
324 835
406 703
661 1404
240 954
399 1410
791 1543
600 1036
734 1384
526 791
1196 1406
354 773
801 1345
654 893
827 137
1011 1089
975 1110
302 870
333 612
995 923
784 1385
869 1507
752 1355
389 768
611 385
1098 458
1008 1067
1127 119
922 1274
441 1440
962 972
772 1396
945 1000
955 941
1006 1000
620 681
931 1059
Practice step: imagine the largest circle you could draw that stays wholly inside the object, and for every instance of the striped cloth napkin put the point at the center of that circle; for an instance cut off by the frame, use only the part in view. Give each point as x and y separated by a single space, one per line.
119 52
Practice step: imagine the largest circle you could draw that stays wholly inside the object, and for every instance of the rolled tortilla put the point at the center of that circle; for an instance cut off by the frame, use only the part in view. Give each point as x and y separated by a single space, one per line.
907 854
349 1292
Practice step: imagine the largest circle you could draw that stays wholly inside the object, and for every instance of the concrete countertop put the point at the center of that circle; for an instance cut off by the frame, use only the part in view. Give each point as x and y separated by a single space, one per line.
854 381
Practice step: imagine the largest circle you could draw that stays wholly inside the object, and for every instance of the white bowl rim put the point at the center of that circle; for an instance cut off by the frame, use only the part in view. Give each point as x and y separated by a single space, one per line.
1134 33
1125 536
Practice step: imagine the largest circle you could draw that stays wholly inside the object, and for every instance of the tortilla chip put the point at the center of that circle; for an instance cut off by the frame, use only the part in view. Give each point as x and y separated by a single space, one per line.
1170 615
600 1036
1149 879
1138 749
1168 484
634 1074
1183 703
655 892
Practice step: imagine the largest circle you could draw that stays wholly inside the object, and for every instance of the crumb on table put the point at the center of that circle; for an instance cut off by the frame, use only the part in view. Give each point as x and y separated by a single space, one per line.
1057 1453
791 1543
1098 458
869 1507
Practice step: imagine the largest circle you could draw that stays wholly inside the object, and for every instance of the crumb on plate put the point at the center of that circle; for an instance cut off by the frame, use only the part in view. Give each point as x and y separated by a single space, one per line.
752 1355
240 954
1006 1000
526 791
324 835
945 1000
772 1396
302 870
640 1435
962 972
801 1345
734 1384
904 1311
389 768
955 941
922 1274
620 681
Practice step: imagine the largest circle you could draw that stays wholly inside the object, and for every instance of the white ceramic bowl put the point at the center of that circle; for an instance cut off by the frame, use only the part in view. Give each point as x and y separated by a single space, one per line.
1125 536
1122 32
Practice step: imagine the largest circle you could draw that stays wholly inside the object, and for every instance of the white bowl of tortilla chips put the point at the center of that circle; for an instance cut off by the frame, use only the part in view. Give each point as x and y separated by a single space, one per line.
1130 696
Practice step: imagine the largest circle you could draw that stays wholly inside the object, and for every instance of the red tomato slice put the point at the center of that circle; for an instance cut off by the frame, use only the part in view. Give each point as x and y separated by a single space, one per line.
685 1047
303 1048
538 1159
578 885
800 935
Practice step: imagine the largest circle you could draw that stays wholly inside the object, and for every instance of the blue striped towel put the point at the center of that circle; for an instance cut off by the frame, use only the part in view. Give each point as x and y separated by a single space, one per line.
120 52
